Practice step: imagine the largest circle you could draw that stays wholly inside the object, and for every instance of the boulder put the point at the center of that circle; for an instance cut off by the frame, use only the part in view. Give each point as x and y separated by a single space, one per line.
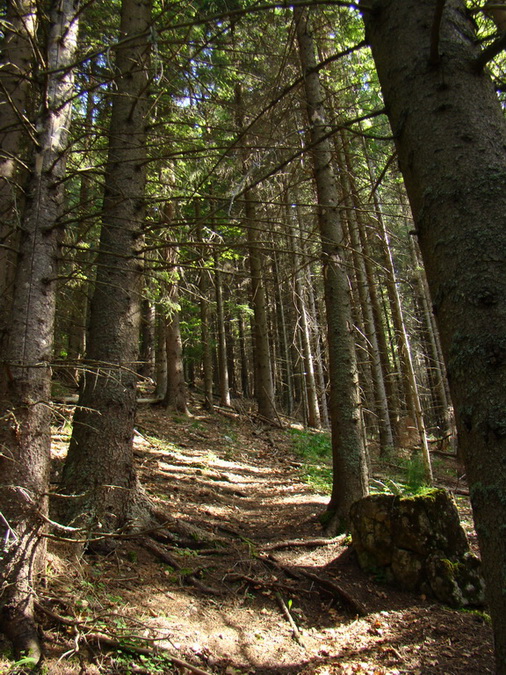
417 543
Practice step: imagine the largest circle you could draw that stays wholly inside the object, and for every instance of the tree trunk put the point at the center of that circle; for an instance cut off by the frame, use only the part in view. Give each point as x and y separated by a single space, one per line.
224 388
17 61
99 464
204 283
175 398
264 386
300 303
450 136
350 474
25 377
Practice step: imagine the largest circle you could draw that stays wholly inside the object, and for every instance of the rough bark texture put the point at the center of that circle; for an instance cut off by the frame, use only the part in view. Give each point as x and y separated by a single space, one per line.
349 460
99 465
451 138
25 376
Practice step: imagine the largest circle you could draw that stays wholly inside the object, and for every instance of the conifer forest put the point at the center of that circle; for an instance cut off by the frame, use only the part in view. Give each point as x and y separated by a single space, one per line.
253 337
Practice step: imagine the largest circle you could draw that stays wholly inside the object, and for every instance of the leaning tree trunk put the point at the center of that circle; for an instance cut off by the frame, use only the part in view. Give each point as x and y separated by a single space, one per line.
100 464
25 377
348 451
451 137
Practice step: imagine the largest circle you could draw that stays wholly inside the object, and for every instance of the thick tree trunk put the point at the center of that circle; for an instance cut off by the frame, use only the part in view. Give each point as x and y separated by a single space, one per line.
349 458
25 377
99 464
451 137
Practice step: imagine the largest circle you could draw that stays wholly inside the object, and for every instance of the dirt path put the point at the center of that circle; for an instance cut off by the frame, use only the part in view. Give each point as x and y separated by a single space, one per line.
241 603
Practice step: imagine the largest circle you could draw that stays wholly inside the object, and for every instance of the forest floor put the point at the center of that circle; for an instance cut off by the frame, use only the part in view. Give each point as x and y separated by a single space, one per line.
254 588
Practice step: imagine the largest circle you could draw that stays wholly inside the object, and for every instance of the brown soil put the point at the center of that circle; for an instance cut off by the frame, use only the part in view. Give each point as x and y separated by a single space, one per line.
264 595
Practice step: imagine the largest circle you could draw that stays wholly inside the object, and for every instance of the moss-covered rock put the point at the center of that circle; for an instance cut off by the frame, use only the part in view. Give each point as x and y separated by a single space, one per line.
418 544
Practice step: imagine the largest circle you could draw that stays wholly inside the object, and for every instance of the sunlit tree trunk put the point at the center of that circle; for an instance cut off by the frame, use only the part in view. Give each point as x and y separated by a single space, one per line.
25 377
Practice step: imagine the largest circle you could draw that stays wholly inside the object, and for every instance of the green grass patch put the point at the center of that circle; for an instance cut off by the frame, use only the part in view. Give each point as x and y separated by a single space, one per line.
315 449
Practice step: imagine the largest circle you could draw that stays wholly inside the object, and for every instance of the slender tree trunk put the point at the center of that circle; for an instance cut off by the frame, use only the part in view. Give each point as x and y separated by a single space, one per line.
300 302
25 377
222 340
205 333
160 354
410 384
176 397
450 135
285 369
147 346
368 299
350 471
100 464
245 379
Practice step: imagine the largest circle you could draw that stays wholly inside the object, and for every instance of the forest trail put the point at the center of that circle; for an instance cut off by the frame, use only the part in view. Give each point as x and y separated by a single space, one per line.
253 588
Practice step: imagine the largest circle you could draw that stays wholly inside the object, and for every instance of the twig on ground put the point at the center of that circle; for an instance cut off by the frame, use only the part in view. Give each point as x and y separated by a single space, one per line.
295 631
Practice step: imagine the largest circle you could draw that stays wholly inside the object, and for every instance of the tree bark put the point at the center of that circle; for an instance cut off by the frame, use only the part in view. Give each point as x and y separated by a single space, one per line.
99 464
451 136
25 377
